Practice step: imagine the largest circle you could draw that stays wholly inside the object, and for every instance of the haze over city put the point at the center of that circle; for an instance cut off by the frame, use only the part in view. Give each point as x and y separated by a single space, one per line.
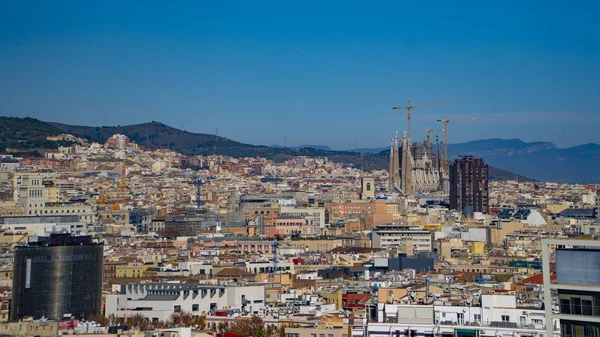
313 72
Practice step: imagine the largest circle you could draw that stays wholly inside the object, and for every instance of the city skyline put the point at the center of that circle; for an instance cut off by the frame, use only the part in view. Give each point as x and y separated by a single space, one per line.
314 74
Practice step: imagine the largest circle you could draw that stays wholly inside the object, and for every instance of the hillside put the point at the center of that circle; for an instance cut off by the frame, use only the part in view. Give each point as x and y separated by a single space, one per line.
497 174
157 135
26 134
153 135
504 156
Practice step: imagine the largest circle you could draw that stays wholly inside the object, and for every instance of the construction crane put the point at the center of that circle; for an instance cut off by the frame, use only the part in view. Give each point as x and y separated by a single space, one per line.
429 131
446 121
410 107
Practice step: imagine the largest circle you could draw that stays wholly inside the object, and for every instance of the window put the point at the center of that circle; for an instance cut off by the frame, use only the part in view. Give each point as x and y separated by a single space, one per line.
505 318
195 307
177 308
477 318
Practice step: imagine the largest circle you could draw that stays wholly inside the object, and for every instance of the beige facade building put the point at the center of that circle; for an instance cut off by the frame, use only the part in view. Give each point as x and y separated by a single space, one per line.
29 329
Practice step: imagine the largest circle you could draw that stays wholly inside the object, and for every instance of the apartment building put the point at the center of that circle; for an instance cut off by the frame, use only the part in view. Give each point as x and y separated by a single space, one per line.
577 285
394 236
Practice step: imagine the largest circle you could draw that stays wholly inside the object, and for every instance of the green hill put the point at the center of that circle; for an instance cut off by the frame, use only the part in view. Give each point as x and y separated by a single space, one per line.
157 135
26 135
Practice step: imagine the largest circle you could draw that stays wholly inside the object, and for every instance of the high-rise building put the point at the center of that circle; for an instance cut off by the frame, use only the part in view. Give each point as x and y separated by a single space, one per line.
57 275
469 190
576 285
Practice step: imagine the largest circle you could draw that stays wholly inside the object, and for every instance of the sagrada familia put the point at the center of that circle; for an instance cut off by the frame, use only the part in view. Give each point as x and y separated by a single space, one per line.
414 168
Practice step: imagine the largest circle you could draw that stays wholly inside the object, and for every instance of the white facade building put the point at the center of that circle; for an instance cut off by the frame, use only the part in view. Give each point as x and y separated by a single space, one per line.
158 301
497 311
44 225
393 236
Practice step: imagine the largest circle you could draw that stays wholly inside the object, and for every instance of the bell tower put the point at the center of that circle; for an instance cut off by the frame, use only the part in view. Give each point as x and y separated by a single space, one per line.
367 188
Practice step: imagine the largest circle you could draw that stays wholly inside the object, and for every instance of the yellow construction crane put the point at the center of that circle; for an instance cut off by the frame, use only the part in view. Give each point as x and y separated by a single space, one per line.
429 131
446 121
409 107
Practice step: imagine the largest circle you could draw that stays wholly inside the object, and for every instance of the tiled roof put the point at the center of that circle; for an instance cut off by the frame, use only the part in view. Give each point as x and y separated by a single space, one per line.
537 279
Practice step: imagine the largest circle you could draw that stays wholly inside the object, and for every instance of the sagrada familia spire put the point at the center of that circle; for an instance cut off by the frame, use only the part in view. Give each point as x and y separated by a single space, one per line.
412 166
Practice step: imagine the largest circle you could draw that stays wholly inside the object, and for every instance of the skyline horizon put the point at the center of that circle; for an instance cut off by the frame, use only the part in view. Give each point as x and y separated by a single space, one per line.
347 149
323 73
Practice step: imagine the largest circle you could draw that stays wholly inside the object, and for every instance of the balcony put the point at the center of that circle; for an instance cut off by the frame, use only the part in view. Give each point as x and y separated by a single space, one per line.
581 310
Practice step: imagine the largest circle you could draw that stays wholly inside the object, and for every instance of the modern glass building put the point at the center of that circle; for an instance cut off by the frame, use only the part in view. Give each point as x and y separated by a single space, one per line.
57 276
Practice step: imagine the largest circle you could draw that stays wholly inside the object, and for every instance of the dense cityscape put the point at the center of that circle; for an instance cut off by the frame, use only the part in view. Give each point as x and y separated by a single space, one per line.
117 238
299 168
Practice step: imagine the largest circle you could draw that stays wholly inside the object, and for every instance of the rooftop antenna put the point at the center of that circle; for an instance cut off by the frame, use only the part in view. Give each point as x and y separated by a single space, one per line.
362 163
284 141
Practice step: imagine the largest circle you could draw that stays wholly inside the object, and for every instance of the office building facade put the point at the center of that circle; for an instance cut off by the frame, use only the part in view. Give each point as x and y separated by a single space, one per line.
57 276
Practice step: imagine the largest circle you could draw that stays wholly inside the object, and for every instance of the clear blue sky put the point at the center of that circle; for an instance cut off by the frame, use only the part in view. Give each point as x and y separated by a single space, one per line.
318 72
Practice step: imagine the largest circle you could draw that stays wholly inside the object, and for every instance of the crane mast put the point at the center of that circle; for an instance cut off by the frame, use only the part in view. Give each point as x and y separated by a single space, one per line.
446 121
409 108
429 131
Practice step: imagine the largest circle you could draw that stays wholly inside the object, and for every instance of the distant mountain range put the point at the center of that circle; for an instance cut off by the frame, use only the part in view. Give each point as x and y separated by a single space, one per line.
317 147
539 160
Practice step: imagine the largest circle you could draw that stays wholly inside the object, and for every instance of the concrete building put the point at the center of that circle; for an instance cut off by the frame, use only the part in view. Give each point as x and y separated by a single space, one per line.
577 285
394 236
314 216
44 225
372 212
29 327
498 315
469 190
158 301
287 225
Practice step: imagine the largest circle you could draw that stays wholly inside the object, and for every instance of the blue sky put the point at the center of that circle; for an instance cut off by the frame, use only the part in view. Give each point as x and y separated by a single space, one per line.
318 72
